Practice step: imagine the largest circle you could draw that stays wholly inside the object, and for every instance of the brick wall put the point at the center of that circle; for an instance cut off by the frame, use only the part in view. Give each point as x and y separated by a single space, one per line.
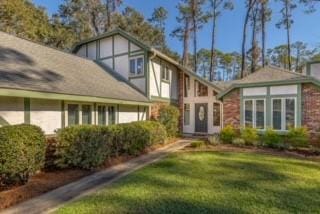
311 110
231 109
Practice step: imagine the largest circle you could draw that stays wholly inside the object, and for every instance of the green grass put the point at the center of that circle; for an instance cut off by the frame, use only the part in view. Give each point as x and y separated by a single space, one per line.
211 182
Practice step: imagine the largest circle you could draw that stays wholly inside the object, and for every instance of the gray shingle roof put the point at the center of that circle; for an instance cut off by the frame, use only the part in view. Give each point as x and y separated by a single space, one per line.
30 66
268 75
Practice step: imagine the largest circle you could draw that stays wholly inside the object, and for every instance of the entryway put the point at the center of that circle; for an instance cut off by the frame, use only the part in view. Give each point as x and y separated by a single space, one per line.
201 117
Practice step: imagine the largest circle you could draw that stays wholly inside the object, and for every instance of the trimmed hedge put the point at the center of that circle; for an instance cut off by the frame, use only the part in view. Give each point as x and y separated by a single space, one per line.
22 153
89 146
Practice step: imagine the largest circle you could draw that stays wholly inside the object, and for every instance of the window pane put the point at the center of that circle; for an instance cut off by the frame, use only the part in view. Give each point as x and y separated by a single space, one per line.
102 115
167 74
139 66
132 66
202 90
186 114
216 114
290 113
111 115
186 85
276 114
73 114
248 114
260 114
86 114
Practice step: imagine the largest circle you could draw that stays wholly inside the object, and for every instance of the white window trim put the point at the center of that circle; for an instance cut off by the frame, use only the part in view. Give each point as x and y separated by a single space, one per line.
136 70
254 113
283 112
80 112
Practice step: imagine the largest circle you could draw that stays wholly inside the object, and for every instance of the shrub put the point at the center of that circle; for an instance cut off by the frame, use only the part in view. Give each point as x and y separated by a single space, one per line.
214 140
227 134
81 146
89 146
197 144
22 153
250 136
238 142
169 117
298 137
273 139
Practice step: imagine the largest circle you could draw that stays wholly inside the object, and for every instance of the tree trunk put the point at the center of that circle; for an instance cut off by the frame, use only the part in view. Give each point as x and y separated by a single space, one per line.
213 57
186 37
288 26
254 41
194 23
263 32
244 38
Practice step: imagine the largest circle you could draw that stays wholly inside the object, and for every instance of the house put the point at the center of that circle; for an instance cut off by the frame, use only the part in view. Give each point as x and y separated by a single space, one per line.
115 78
161 79
275 98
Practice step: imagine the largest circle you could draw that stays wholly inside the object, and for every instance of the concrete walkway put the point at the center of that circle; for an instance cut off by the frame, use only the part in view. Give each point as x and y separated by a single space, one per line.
49 202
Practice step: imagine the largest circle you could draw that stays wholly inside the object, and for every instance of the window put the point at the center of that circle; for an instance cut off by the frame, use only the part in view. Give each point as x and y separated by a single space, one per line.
216 114
248 113
73 114
111 115
136 66
186 114
86 114
186 85
165 73
254 113
200 89
283 113
102 119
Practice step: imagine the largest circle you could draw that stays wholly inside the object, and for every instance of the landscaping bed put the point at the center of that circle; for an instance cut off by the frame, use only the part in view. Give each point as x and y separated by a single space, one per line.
212 182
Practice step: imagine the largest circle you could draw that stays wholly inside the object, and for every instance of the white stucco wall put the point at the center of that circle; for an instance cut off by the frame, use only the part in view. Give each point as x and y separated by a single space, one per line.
122 65
140 83
155 77
315 70
256 91
92 50
12 110
210 100
128 114
106 47
285 89
46 114
120 45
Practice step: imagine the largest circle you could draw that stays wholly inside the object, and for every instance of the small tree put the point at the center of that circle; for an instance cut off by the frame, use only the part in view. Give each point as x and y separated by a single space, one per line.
169 117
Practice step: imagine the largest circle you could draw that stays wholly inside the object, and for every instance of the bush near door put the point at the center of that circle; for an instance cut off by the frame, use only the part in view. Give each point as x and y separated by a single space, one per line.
169 117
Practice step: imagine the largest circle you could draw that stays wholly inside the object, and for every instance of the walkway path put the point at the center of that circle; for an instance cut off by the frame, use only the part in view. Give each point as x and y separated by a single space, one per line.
50 201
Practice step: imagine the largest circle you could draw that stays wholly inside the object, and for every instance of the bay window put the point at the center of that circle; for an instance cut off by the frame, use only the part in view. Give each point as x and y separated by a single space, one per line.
102 115
283 113
254 113
78 114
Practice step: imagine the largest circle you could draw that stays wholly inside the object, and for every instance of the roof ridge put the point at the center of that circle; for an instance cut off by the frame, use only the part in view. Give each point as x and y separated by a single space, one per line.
46 46
284 70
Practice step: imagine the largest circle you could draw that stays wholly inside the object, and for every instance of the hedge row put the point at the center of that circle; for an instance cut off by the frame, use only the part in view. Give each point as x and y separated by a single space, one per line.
295 137
22 153
89 146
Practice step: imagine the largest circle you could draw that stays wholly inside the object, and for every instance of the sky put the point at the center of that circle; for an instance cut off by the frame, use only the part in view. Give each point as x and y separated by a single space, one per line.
229 27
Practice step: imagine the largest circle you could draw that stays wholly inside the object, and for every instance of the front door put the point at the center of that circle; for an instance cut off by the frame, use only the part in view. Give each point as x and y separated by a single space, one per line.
201 117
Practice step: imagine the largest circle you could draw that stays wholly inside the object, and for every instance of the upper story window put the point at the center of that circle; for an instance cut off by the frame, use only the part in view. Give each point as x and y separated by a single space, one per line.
136 66
200 90
165 73
186 85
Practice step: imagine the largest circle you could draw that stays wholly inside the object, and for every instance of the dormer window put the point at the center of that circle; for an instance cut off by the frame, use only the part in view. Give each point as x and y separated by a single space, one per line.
136 66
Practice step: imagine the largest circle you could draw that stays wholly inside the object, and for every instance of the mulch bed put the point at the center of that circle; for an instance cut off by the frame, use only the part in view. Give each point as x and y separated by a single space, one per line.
297 153
49 180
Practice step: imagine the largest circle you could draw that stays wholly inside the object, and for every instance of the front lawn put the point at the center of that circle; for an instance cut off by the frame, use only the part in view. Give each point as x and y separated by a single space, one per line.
208 182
